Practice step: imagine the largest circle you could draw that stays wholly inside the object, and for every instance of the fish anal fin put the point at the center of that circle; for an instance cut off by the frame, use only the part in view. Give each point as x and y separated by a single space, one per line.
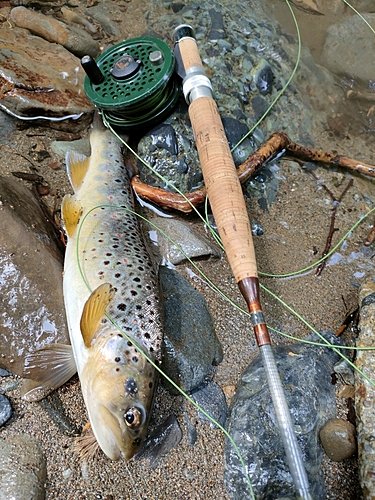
77 165
94 310
47 369
71 211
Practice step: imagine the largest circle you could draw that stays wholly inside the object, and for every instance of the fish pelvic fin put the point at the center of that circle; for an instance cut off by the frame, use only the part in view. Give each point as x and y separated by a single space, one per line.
94 310
47 369
77 165
71 211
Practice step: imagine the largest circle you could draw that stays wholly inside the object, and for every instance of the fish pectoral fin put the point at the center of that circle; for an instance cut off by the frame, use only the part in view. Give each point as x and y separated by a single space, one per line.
71 211
77 165
47 369
94 310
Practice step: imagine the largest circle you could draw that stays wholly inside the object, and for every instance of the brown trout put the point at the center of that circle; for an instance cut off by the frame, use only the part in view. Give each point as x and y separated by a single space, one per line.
110 288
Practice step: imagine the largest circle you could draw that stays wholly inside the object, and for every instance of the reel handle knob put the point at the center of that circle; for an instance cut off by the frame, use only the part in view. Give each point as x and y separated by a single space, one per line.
92 70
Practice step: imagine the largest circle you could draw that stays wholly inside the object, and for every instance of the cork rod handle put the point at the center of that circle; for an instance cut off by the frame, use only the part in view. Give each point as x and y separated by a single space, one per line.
220 177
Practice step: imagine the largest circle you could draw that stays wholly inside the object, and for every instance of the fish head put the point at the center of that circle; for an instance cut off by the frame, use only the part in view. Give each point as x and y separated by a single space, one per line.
118 386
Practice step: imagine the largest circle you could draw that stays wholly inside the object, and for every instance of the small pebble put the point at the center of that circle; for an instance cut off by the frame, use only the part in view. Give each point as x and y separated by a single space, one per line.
5 409
338 438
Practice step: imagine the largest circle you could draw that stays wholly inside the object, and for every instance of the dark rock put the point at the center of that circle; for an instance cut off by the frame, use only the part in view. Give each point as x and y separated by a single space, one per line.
77 41
263 77
23 469
31 295
41 79
163 438
210 397
177 6
217 26
5 410
164 137
338 438
4 373
52 404
191 345
305 371
260 106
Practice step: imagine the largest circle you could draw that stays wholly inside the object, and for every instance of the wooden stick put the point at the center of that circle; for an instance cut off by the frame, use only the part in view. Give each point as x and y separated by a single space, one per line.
278 143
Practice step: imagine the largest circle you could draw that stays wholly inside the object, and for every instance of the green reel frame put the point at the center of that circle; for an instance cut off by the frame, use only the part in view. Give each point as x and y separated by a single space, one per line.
133 83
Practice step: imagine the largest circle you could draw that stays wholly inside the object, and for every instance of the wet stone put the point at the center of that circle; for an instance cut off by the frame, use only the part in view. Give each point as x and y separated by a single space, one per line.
364 391
263 77
53 406
28 91
191 345
211 398
338 438
23 469
5 409
162 439
305 372
31 265
217 26
184 242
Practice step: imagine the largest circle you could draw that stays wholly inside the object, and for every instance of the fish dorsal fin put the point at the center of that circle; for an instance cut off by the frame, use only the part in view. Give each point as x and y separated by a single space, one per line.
71 211
47 369
77 165
94 310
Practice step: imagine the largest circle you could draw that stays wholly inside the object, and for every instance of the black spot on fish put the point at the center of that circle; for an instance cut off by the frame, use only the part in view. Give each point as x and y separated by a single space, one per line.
106 262
147 335
108 254
100 241
135 359
131 387
140 268
129 343
150 385
137 280
138 307
117 359
133 292
118 275
121 307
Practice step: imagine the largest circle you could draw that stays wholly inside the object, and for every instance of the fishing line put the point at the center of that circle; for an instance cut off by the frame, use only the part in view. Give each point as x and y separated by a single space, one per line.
286 84
113 321
358 14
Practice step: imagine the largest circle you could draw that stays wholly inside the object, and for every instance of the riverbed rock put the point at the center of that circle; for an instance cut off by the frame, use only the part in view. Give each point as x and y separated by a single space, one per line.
191 345
39 78
182 241
338 438
22 469
343 58
305 372
364 391
31 296
5 409
77 41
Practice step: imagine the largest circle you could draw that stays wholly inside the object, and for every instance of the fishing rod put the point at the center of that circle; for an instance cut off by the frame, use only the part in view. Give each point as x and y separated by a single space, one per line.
231 217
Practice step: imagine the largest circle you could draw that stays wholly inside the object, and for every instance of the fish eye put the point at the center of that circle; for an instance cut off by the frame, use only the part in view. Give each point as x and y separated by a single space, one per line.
133 417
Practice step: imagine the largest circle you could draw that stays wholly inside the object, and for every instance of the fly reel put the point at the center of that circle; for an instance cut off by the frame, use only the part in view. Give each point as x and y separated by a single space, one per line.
133 82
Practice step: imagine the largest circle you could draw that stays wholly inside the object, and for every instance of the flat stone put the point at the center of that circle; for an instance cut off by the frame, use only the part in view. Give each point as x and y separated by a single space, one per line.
184 242
31 295
41 78
23 469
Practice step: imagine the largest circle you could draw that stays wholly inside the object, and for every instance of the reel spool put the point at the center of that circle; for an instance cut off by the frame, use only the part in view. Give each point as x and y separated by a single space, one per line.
133 82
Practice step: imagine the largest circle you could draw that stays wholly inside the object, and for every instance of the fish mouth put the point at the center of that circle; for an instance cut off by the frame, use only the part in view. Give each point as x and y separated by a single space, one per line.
113 436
